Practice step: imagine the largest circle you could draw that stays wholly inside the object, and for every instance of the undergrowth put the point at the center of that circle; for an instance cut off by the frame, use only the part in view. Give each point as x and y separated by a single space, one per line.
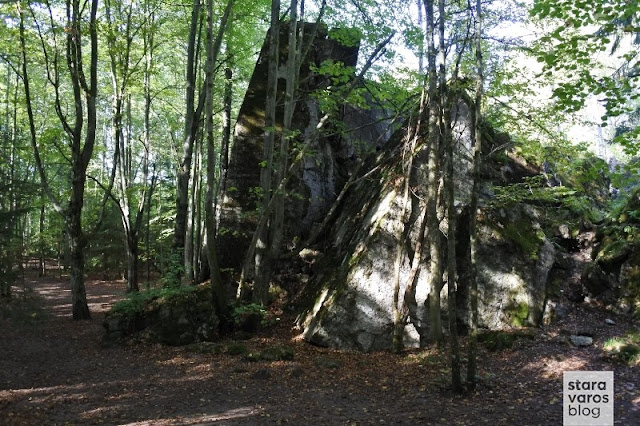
136 302
624 349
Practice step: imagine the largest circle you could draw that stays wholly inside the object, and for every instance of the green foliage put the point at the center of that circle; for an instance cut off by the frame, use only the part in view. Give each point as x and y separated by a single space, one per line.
569 50
174 270
525 236
235 348
348 37
136 302
624 349
249 317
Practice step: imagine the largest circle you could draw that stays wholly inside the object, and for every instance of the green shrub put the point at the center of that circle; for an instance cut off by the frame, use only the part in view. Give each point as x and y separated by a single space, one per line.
249 317
136 302
625 349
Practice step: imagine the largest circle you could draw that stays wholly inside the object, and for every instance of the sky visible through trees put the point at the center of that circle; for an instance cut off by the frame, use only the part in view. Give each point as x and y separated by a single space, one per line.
105 149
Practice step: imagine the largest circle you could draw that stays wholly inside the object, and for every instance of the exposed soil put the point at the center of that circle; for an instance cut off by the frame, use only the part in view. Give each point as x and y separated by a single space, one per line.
57 371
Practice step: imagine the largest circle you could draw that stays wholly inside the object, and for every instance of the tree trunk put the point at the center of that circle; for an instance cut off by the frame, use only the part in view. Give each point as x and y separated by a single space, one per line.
447 140
473 232
84 95
226 129
77 244
435 262
132 263
41 260
218 292
277 225
184 168
189 240
262 265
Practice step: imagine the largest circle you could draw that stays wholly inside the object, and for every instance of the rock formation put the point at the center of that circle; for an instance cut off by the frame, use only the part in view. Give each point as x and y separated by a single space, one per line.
329 161
349 301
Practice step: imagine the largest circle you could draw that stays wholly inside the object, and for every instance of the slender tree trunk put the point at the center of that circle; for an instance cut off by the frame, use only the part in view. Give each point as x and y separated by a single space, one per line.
84 96
433 229
447 140
184 169
41 260
401 305
263 262
149 48
191 214
226 129
473 232
219 298
407 165
132 263
77 245
277 225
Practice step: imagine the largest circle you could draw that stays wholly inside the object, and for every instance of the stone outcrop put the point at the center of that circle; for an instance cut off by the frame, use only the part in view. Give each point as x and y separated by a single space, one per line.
349 301
327 163
613 277
178 317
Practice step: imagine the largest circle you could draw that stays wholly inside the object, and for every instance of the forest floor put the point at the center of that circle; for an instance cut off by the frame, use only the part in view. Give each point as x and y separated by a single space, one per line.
57 371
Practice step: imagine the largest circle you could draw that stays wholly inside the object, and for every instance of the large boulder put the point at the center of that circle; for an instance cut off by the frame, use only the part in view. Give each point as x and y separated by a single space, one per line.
349 302
613 277
168 316
329 159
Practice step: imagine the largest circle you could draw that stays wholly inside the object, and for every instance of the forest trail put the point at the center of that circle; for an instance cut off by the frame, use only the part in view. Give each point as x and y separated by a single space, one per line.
57 371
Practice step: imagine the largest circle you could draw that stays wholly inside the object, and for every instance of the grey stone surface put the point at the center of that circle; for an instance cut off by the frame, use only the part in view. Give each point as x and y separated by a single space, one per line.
349 302
581 340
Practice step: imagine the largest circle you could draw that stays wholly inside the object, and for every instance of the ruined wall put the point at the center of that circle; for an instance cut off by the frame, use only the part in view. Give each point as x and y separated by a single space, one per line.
349 301
323 170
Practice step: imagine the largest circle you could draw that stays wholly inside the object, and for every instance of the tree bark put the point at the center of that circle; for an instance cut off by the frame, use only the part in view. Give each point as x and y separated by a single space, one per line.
277 225
219 298
449 188
84 95
433 223
473 231
184 168
262 263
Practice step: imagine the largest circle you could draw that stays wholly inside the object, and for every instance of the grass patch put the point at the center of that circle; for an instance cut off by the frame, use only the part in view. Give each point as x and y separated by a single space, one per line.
624 349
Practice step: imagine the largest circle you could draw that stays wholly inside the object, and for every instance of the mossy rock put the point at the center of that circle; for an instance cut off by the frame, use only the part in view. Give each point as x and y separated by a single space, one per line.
525 236
501 340
614 250
172 316
518 314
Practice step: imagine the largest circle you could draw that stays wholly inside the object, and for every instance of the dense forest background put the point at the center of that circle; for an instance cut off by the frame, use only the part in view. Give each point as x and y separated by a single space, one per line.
118 121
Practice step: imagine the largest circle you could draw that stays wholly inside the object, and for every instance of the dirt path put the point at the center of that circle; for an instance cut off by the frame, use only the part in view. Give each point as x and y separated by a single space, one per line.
56 371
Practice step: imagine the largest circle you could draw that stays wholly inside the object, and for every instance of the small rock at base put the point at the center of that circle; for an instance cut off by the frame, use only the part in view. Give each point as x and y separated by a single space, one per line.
609 321
581 340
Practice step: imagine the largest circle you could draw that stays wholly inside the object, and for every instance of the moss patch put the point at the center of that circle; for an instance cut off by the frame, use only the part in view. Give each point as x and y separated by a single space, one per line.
501 340
525 236
518 314
172 316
